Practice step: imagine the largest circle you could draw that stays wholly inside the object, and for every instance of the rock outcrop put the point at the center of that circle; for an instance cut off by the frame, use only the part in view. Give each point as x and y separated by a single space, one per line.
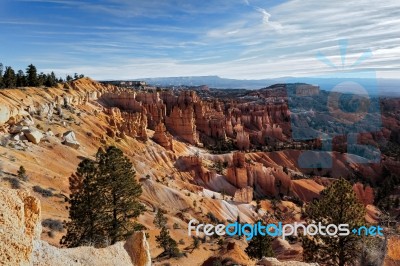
162 137
182 124
364 193
266 180
135 251
70 140
242 138
194 165
19 225
43 103
33 135
126 124
244 195
275 262
20 243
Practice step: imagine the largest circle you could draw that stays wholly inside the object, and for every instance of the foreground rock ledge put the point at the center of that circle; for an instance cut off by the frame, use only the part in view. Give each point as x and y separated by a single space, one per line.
275 262
20 244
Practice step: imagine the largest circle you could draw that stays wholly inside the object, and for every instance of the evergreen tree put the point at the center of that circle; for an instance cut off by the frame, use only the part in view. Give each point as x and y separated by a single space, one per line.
121 193
165 241
32 77
68 78
103 201
160 220
48 82
9 78
338 205
86 208
260 246
21 79
42 79
51 80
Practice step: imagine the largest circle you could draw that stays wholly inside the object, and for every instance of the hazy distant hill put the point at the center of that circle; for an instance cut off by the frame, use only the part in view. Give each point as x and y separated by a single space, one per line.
211 81
386 87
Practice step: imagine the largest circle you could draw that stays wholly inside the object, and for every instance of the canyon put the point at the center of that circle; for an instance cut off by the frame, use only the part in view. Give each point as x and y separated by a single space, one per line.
194 153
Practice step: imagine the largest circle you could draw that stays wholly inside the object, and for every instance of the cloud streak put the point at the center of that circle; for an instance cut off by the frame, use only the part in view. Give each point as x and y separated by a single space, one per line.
236 39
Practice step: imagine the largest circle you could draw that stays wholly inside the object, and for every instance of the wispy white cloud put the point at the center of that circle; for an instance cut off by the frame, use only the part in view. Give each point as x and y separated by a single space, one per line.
257 42
264 13
21 22
266 20
311 26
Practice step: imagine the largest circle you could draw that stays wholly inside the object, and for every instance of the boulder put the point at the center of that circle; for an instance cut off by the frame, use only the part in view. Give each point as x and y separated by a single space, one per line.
27 121
69 139
19 137
49 133
5 113
18 128
33 135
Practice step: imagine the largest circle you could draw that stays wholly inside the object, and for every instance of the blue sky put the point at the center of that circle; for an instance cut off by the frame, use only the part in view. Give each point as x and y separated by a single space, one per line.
247 39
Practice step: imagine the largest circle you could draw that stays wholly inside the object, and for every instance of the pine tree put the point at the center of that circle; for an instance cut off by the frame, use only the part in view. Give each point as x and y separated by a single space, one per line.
32 77
121 193
86 208
160 220
51 80
260 246
338 205
165 241
103 201
42 79
9 78
21 79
